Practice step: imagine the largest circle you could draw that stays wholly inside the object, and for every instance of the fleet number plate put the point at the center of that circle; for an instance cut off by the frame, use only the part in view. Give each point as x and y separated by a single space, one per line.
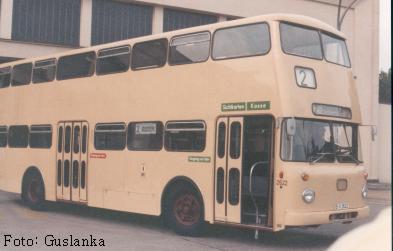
342 205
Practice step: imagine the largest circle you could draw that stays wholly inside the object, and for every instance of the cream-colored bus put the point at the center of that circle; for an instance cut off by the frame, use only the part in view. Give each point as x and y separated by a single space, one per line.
251 123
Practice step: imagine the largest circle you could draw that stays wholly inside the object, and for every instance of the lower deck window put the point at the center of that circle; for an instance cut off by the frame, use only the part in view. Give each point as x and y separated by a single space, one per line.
3 136
40 136
110 136
145 136
5 77
18 136
185 136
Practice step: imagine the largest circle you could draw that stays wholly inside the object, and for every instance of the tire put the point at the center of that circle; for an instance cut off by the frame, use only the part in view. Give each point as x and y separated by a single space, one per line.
33 191
184 211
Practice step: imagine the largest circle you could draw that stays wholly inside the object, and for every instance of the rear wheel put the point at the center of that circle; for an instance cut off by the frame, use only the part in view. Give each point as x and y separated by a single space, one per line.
184 212
33 191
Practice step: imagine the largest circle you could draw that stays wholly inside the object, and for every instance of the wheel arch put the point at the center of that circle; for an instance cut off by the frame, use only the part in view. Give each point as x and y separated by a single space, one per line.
30 170
178 181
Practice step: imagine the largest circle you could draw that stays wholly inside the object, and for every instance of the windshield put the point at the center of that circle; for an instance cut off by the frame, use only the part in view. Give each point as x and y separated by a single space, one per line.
308 42
320 141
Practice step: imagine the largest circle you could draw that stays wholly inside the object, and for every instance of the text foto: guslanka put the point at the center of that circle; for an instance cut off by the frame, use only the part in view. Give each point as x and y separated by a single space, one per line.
52 241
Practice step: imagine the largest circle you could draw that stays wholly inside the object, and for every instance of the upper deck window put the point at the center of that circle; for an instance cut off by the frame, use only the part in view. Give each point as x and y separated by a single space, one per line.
149 54
44 71
242 41
188 49
5 77
335 50
76 66
300 41
113 60
21 74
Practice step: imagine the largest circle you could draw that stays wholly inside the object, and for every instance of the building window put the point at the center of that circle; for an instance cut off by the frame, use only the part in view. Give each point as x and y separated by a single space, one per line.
113 60
40 136
47 21
5 77
18 136
188 49
145 136
185 136
242 41
110 136
149 54
113 21
44 71
21 74
3 136
177 19
76 66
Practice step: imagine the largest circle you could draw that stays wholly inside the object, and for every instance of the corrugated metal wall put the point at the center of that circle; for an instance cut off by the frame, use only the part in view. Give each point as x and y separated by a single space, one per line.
177 19
47 21
114 21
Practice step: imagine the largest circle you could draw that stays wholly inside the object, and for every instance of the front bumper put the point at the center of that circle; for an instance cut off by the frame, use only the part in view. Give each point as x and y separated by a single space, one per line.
293 218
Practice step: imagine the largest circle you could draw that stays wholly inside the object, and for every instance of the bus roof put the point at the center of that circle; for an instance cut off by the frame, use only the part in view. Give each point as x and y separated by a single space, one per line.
291 18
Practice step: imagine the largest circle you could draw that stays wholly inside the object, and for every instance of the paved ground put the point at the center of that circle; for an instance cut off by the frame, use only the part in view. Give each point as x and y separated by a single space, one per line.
122 231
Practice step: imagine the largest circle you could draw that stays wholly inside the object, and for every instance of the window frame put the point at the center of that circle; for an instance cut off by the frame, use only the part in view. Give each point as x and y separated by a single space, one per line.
107 124
186 35
185 122
143 149
43 67
246 56
113 55
37 132
75 54
154 66
12 74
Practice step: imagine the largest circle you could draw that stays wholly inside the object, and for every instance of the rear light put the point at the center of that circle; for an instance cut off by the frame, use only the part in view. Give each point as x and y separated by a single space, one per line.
305 176
365 175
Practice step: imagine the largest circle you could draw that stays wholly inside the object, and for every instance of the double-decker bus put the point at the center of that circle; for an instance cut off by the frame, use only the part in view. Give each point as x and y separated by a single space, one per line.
251 123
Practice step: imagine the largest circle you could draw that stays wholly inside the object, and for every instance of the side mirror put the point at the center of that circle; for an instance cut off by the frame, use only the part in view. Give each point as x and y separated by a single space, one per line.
291 126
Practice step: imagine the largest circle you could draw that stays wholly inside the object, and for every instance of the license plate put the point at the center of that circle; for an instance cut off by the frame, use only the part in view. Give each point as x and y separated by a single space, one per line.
342 205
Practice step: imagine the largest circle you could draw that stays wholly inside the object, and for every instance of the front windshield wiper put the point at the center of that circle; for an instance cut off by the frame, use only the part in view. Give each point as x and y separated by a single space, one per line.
347 152
319 157
350 156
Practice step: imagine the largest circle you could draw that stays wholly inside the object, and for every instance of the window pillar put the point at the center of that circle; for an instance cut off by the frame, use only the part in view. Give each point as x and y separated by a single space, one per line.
85 25
158 20
6 18
222 18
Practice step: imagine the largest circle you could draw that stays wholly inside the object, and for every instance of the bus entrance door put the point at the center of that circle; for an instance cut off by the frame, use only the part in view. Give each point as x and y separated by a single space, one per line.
228 171
72 161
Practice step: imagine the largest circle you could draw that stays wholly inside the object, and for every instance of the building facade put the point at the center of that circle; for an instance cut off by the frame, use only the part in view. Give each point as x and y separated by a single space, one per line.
30 28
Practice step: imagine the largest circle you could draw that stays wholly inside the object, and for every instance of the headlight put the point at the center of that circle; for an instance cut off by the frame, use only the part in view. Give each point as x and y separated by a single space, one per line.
364 191
308 195
305 77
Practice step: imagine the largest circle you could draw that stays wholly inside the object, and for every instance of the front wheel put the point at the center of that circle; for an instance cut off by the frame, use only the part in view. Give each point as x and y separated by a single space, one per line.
184 212
33 191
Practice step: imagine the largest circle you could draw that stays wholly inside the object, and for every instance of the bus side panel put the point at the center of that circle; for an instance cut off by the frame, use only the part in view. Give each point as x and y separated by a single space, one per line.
18 160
